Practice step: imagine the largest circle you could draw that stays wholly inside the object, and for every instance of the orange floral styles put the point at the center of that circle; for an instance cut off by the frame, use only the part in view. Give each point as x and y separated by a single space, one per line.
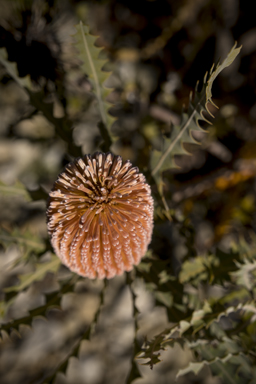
100 216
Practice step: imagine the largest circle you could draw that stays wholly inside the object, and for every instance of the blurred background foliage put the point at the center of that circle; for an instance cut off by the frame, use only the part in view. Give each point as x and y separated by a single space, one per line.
195 289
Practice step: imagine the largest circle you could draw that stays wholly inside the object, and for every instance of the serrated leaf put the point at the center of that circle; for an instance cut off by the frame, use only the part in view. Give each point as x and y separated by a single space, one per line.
214 73
92 66
151 349
41 270
214 268
192 367
225 360
196 267
186 330
197 367
166 288
161 161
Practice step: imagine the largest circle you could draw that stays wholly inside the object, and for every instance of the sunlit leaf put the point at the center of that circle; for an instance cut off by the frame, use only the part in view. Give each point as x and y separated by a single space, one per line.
244 275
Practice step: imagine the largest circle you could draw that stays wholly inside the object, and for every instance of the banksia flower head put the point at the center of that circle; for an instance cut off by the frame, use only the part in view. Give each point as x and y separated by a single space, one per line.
100 216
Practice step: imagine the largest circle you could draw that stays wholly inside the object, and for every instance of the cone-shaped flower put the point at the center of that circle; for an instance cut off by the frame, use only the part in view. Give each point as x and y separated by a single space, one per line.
100 216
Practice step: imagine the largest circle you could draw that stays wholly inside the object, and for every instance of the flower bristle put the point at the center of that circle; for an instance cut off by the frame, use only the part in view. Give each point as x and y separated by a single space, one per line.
100 216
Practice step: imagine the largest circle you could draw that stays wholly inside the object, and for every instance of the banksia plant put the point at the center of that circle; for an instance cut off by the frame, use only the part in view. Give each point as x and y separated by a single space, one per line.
100 216
100 220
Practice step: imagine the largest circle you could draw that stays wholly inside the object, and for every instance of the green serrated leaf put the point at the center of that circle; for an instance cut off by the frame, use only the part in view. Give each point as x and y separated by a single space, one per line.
161 161
207 267
208 317
192 367
225 360
151 349
92 66
196 267
196 368
226 63
166 288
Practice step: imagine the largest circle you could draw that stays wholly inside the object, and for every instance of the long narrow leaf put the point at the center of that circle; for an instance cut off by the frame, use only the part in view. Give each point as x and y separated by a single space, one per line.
92 67
161 161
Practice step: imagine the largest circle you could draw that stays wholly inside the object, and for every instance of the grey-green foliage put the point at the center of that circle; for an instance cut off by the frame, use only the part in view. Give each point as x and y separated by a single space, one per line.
28 243
221 331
